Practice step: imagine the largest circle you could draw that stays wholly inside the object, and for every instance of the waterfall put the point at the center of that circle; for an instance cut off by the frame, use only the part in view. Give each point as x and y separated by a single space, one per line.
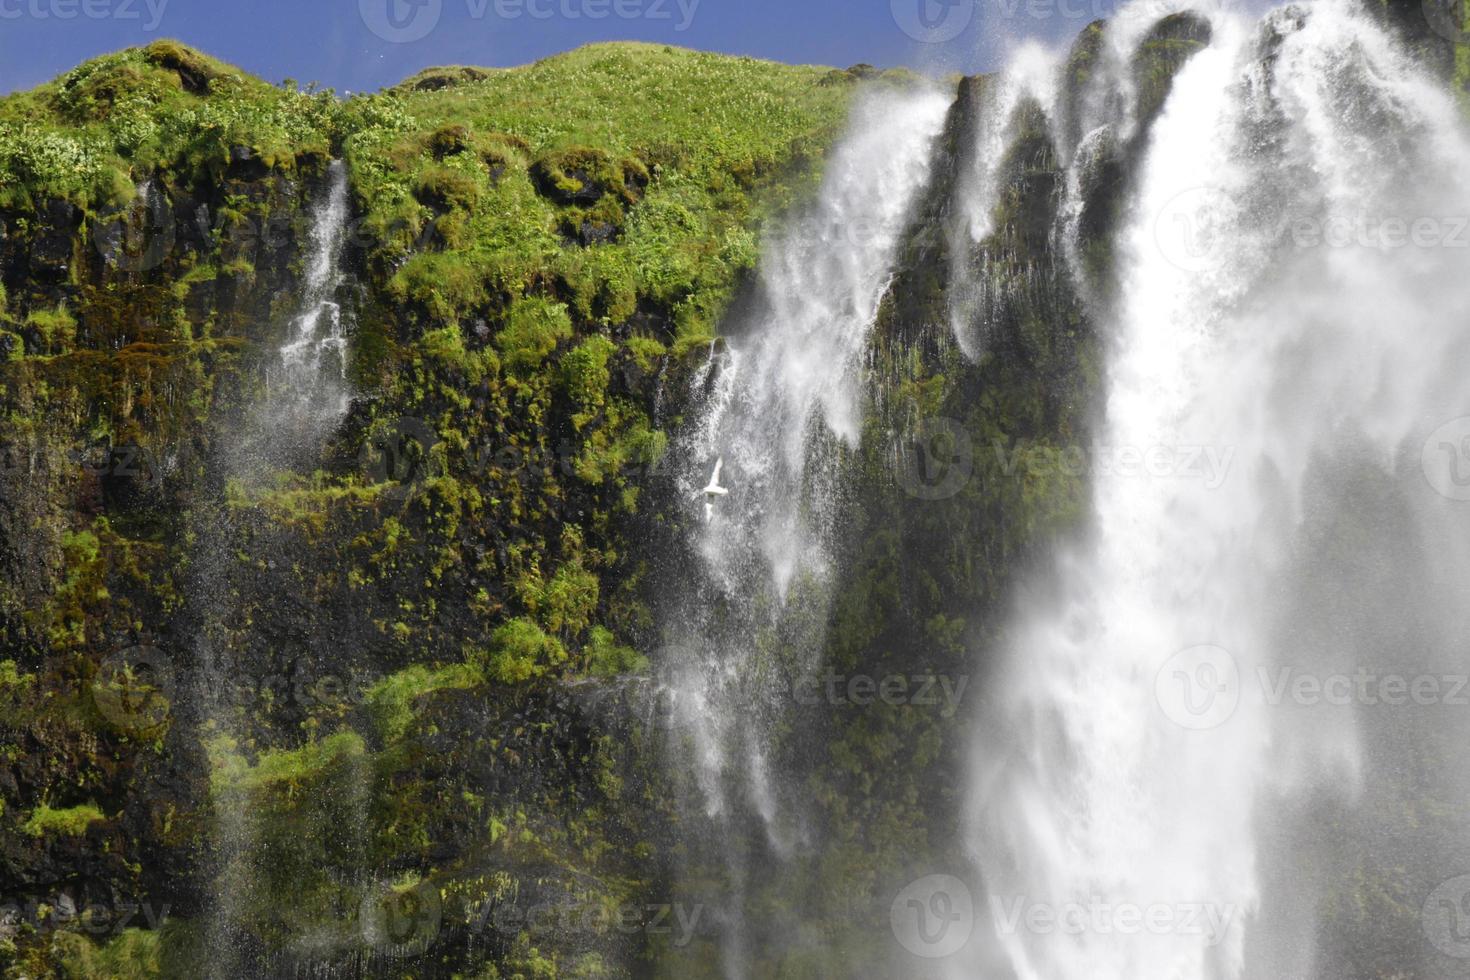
1276 494
285 428
310 382
780 405
971 292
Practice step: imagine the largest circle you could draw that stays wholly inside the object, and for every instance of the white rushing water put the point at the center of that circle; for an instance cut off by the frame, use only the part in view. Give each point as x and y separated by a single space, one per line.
780 406
1283 337
313 363
785 394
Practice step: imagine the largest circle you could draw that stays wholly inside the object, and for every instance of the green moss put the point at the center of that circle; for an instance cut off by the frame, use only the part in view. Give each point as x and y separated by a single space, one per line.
449 140
391 700
585 376
195 71
134 954
532 330
286 770
443 188
568 601
443 284
647 352
57 328
603 656
14 685
521 650
46 821
584 174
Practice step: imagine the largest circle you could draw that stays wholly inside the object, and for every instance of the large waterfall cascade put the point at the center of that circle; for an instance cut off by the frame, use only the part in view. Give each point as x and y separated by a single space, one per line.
1284 327
1289 328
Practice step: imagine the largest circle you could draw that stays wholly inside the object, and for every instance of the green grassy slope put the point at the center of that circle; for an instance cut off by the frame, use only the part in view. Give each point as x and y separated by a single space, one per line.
611 175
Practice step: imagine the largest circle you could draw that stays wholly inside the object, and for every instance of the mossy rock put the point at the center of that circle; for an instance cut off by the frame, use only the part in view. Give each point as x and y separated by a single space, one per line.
502 152
1164 50
194 71
445 188
1077 74
582 175
449 140
448 76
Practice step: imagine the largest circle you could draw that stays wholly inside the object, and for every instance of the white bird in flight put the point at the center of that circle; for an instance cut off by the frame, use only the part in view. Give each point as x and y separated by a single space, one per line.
713 490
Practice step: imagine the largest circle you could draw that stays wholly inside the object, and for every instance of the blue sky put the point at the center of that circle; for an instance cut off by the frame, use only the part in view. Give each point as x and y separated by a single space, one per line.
363 45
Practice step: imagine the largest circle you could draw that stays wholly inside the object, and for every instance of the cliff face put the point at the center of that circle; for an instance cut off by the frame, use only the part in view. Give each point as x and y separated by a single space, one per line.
381 704
276 696
378 705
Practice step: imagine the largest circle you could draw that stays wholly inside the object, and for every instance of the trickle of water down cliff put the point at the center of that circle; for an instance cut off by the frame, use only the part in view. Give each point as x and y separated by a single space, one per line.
1193 698
303 398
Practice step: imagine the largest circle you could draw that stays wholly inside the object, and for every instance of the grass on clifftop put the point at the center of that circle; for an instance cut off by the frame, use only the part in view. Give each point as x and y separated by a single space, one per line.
91 134
610 176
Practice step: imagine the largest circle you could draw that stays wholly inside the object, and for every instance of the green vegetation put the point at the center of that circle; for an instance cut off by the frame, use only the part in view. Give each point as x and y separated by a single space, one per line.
134 954
537 251
533 328
391 700
521 650
73 821
533 167
90 134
